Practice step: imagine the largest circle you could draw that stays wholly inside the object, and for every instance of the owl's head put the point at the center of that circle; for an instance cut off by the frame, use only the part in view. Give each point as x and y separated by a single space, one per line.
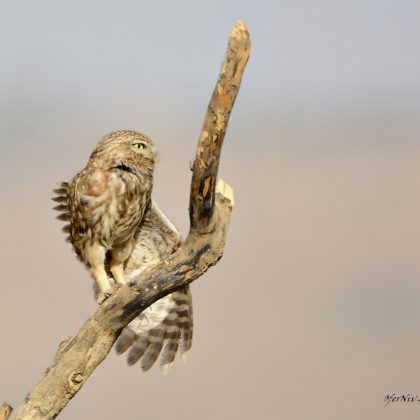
126 150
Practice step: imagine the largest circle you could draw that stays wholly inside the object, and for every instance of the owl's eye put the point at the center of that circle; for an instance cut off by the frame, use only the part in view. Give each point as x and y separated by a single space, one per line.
138 146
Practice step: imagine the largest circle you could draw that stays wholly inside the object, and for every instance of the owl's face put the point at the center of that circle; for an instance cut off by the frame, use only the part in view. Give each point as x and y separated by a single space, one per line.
125 150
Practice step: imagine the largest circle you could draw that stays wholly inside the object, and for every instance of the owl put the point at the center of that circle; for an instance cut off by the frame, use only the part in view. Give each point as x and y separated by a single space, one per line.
105 204
166 327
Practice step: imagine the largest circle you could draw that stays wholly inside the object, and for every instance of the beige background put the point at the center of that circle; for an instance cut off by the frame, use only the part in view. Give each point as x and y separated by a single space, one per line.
314 311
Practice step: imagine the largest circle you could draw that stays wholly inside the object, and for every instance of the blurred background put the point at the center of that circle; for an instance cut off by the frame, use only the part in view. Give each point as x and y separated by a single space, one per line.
314 310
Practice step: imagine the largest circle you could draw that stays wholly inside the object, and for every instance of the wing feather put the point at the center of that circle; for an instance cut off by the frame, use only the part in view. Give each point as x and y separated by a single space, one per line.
61 196
166 327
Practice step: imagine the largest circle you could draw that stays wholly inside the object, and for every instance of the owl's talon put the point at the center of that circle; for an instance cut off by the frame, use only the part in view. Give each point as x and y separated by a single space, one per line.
102 298
103 295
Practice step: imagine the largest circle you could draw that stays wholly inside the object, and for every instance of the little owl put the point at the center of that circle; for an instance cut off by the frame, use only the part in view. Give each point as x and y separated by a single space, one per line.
105 204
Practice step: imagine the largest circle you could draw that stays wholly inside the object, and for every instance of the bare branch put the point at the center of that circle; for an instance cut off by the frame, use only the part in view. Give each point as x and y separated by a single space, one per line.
5 411
210 209
215 123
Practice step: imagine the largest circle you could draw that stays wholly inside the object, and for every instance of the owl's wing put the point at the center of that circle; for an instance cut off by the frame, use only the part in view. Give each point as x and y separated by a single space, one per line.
83 199
167 326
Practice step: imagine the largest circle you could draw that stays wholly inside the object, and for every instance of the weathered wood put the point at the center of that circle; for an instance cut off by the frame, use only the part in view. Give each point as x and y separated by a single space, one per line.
210 209
215 123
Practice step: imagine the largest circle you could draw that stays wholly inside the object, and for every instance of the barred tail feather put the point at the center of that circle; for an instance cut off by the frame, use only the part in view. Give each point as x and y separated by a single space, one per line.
61 197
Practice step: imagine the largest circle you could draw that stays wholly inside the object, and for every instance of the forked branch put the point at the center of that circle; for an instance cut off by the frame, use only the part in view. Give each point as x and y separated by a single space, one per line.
210 208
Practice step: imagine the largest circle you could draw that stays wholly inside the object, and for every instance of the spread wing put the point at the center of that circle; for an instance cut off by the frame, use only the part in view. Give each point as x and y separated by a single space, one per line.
166 327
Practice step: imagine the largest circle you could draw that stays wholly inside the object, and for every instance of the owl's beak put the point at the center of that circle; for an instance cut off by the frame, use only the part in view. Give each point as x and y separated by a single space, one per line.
123 167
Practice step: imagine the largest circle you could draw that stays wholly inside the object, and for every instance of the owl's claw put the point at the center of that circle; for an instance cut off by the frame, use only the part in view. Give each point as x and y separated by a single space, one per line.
102 297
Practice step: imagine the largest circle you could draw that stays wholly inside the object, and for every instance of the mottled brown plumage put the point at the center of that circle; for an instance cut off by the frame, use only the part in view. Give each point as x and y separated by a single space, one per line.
105 204
167 326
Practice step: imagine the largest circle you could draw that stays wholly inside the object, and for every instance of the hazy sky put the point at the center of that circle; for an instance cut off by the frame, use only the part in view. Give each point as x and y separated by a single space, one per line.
313 312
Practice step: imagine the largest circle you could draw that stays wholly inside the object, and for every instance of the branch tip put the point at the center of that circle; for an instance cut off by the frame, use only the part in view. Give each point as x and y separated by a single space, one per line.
5 411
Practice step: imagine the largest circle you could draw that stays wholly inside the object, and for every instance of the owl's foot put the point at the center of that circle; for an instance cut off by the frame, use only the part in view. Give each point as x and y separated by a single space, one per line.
119 256
103 288
103 295
118 273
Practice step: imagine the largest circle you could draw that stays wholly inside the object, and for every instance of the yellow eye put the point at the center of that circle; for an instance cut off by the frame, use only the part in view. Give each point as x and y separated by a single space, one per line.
138 146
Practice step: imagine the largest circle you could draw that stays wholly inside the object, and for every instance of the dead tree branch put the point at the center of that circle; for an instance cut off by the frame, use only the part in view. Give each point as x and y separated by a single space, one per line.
210 208
5 411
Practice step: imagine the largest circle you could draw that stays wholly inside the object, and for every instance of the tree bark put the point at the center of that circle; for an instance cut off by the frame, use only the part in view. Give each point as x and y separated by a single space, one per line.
210 207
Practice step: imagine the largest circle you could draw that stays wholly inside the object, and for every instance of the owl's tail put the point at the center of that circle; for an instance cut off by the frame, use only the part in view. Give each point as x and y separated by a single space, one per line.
61 197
